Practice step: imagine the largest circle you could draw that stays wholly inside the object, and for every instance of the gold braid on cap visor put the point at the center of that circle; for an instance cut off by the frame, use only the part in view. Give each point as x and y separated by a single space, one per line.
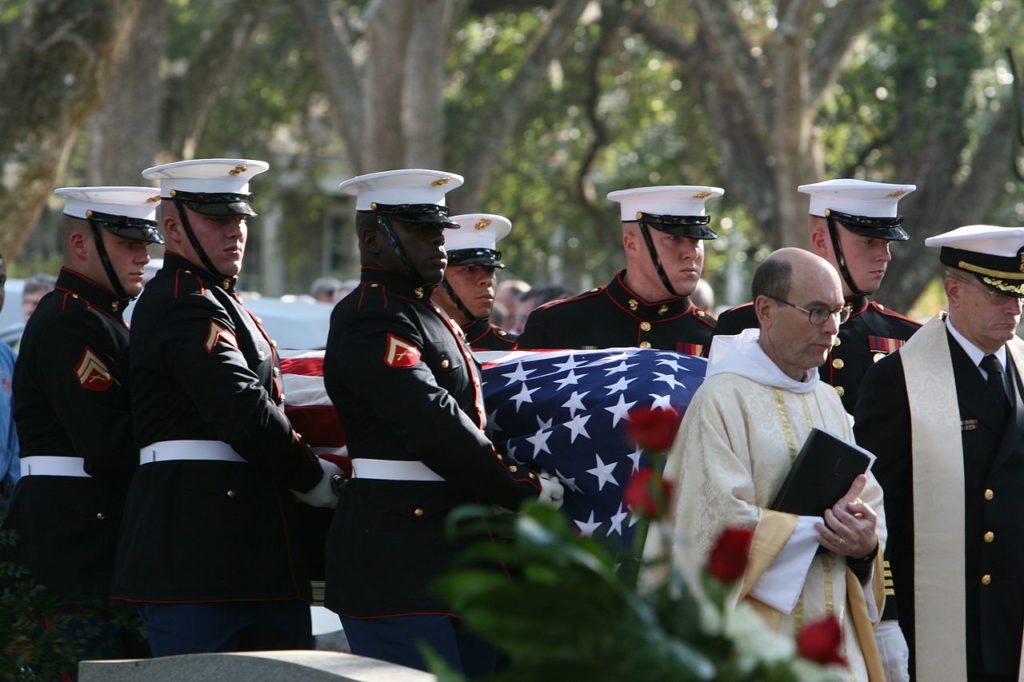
1003 286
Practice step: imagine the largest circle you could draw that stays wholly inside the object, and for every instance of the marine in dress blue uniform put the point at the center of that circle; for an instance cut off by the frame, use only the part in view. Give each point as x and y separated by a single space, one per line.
408 396
985 286
209 549
72 405
466 293
647 305
852 223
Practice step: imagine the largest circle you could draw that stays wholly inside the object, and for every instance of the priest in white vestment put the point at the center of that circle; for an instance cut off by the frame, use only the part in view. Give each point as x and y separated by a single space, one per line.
737 441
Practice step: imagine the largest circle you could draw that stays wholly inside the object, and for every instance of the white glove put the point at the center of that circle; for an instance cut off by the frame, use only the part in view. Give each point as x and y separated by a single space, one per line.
551 490
892 649
322 494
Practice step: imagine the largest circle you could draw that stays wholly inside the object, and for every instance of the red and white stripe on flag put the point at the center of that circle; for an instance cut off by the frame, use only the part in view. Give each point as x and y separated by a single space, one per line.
306 402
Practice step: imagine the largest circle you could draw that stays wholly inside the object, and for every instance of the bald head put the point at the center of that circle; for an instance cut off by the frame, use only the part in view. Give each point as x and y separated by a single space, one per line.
787 268
788 283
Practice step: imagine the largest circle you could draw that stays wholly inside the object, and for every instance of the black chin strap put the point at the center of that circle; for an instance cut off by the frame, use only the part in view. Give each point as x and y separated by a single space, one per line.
458 301
399 250
646 232
841 259
108 267
207 263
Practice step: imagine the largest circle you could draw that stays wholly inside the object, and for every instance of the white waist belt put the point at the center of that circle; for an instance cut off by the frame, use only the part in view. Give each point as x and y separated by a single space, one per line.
39 465
197 450
392 470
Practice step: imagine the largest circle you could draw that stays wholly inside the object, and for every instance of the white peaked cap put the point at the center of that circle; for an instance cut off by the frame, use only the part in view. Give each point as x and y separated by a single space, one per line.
987 239
674 200
856 197
211 176
131 202
995 255
405 186
479 231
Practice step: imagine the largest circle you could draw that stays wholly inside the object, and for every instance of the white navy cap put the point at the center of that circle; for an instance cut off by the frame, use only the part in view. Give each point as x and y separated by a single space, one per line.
209 186
476 242
675 200
131 202
995 255
128 212
866 208
400 187
676 209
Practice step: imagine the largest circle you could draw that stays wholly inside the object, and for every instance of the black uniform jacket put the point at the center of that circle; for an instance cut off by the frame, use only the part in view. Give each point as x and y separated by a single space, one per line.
482 335
71 400
871 333
406 388
613 316
993 449
202 368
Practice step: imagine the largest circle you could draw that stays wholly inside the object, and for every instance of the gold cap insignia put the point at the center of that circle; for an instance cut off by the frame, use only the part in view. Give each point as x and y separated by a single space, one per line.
482 223
702 195
897 194
238 169
153 199
439 182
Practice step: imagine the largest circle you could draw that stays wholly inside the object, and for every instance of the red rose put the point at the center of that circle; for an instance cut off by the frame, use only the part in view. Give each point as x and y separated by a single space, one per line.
729 556
647 495
653 430
819 641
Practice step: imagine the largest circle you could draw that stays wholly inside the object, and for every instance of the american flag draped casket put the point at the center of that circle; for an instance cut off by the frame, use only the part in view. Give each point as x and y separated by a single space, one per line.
565 411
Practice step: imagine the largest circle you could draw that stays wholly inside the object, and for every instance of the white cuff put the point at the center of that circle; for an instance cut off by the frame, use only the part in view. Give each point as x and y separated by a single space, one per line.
781 584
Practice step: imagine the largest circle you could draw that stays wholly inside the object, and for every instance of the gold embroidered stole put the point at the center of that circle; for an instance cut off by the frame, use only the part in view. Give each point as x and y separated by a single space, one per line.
938 485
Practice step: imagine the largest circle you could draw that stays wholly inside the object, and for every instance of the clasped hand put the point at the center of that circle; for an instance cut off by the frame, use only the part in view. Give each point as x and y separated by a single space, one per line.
849 528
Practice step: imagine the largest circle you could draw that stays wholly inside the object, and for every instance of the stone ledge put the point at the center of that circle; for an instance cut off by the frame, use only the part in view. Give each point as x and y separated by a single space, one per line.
252 666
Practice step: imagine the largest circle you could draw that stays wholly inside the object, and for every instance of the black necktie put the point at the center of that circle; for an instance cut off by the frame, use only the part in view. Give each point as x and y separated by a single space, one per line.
994 369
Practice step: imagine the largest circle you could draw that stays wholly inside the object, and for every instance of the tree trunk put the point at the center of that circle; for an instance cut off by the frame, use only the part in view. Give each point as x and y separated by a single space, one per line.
70 45
424 77
505 112
124 133
387 37
331 48
190 96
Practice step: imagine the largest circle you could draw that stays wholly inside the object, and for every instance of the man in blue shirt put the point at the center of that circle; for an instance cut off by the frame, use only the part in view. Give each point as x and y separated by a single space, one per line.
9 465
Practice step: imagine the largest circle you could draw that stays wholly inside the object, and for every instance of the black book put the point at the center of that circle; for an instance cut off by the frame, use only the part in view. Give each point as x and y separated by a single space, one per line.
822 473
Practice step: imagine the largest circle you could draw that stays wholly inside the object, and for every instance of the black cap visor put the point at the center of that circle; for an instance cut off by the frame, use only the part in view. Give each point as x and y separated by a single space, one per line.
889 229
689 226
485 257
137 229
1002 274
429 215
217 204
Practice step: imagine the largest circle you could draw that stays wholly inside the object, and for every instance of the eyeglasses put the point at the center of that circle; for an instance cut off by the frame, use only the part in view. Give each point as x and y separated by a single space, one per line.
818 315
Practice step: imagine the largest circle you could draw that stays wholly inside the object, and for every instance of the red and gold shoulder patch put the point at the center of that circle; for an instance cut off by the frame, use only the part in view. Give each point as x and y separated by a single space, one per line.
400 353
92 373
217 332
